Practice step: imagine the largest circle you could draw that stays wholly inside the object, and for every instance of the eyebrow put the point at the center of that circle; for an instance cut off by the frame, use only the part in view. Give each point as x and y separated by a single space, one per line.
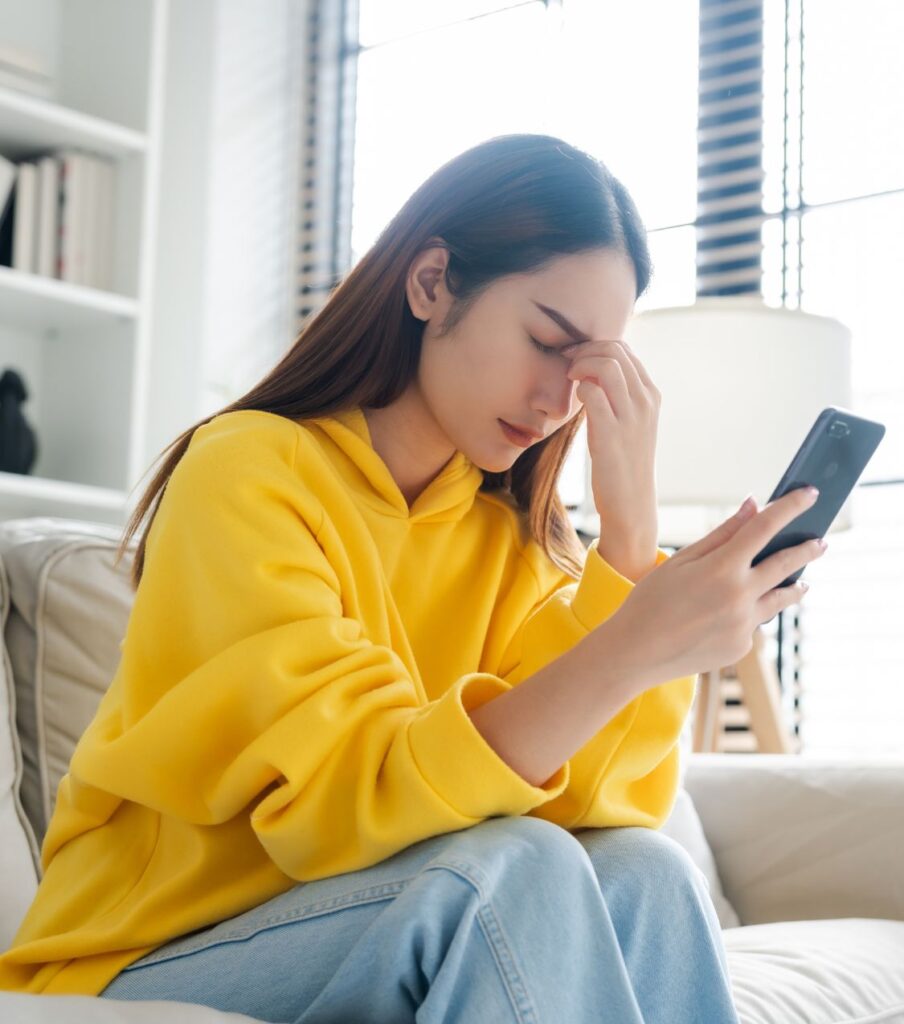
563 322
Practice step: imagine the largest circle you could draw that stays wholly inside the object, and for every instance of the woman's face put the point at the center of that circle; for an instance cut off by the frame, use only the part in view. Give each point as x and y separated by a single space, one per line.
490 369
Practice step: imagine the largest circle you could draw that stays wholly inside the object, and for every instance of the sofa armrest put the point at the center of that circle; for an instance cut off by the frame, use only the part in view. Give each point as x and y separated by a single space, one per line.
798 838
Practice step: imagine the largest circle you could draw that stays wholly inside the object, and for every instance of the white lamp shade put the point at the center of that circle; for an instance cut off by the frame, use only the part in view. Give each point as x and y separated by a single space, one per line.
741 384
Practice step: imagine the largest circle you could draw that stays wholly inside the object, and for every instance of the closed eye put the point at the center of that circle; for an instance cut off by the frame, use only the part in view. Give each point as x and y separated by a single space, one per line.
546 349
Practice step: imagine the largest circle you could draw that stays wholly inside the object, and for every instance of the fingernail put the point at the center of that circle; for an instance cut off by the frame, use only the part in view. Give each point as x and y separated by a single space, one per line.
812 491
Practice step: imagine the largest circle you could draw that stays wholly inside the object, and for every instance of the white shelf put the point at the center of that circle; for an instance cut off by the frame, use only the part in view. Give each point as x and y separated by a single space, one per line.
36 303
41 492
29 124
83 353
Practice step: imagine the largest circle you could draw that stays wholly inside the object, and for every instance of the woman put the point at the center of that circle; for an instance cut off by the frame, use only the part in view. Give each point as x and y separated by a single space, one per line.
385 743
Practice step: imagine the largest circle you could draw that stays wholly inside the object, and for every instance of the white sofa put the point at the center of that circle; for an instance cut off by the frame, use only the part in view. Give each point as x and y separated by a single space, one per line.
804 858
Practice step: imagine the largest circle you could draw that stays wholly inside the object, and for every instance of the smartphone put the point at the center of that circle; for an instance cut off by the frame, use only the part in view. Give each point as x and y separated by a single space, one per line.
832 457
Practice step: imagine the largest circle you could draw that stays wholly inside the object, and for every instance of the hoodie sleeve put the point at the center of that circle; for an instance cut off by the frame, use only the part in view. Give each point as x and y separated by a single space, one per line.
628 772
244 688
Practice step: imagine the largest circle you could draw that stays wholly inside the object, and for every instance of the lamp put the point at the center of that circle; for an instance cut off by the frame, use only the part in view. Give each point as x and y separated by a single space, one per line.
741 385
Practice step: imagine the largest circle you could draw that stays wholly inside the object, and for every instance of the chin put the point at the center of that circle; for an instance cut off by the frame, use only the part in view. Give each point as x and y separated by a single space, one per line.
495 463
491 458
497 467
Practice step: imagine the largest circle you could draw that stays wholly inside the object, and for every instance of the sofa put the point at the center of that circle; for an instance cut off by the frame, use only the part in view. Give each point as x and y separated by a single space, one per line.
803 856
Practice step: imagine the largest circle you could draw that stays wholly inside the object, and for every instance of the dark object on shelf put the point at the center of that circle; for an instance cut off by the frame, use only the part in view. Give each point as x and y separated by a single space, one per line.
18 445
6 231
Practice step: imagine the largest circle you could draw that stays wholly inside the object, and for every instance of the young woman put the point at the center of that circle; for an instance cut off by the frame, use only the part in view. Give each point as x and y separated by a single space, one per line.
385 743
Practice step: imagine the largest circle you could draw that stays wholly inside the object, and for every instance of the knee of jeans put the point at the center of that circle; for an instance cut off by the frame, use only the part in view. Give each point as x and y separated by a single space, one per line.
651 852
501 849
550 840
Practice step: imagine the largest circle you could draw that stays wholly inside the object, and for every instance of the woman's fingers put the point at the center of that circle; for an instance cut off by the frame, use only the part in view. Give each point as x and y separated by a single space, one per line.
638 365
609 378
781 564
612 347
756 533
775 601
615 369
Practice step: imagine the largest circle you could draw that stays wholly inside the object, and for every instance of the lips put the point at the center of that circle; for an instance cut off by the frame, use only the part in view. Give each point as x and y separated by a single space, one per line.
518 436
536 435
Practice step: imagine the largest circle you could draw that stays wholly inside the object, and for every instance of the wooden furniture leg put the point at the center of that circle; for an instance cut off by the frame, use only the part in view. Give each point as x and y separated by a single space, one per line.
707 721
761 695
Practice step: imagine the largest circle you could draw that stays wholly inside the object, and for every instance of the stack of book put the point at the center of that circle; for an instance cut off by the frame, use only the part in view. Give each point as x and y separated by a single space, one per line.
56 217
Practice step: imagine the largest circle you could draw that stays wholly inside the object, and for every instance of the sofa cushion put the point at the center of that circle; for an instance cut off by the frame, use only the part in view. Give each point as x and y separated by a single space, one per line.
68 616
804 836
684 826
833 971
32 1009
19 855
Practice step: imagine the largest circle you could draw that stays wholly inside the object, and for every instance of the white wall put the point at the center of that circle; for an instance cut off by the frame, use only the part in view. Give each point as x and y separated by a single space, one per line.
223 308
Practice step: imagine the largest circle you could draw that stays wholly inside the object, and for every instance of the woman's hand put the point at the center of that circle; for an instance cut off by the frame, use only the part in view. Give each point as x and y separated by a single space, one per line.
622 406
699 610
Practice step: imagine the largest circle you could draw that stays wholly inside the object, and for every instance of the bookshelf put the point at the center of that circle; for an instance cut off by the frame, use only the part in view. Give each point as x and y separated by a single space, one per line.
84 351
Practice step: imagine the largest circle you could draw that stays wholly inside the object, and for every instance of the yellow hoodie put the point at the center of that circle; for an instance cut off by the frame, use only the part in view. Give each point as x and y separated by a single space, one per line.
290 702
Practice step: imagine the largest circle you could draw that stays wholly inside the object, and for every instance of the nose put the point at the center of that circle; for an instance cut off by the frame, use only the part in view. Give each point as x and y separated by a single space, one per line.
557 399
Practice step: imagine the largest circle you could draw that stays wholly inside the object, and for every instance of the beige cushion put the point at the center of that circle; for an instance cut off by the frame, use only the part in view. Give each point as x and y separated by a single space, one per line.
19 853
68 616
28 1009
834 971
684 826
804 837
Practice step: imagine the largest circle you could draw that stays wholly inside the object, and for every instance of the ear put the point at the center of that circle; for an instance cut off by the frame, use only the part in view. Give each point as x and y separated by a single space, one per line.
425 285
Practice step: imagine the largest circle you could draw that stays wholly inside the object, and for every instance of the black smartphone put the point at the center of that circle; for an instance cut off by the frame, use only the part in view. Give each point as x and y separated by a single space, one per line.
832 457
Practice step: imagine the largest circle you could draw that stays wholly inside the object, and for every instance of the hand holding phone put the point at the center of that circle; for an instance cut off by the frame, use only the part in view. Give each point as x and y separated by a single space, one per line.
832 458
698 611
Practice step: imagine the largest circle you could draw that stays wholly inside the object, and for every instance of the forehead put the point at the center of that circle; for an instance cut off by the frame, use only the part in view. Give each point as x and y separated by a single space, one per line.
595 292
583 271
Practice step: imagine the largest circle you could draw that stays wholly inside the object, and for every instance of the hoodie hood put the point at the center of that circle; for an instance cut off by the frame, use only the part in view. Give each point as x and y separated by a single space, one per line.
448 497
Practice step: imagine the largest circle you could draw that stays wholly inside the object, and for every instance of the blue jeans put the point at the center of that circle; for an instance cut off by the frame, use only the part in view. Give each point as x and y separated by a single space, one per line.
512 920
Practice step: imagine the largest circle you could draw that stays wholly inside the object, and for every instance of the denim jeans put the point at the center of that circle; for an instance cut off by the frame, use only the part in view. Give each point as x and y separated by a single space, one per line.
512 920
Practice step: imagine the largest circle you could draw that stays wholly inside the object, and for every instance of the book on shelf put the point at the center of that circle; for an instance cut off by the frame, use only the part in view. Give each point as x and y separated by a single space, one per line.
45 225
56 216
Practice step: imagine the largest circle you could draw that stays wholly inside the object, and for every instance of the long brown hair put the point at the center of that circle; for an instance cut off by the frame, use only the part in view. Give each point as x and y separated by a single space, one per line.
510 205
